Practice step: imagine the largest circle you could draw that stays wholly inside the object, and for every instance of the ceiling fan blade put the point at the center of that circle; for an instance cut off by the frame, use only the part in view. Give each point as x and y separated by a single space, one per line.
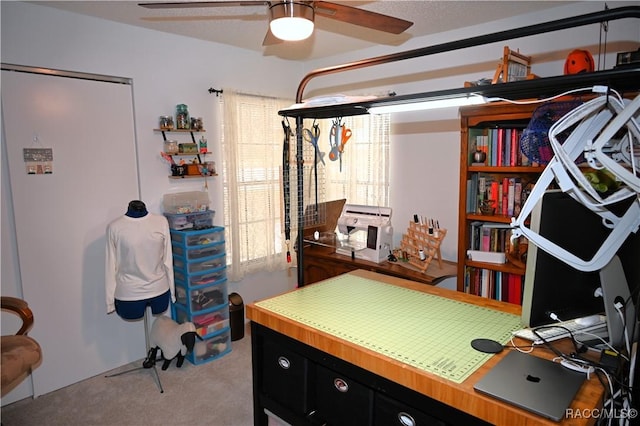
196 4
361 17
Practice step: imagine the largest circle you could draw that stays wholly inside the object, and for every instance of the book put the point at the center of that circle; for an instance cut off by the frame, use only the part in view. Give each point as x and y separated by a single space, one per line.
515 148
482 189
517 201
499 147
494 193
507 140
505 194
475 235
472 194
494 147
515 289
485 239
486 274
511 196
507 153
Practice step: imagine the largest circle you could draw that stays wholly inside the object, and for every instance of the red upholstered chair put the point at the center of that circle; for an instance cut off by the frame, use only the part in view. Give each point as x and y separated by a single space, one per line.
20 353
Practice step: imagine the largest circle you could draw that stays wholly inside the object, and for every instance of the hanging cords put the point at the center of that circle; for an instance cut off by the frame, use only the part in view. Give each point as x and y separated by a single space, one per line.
604 28
286 185
315 126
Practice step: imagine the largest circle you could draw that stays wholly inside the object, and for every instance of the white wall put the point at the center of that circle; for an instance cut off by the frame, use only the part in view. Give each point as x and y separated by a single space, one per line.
167 70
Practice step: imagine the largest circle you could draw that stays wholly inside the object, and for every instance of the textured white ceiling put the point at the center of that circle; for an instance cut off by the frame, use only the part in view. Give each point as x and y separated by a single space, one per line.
246 26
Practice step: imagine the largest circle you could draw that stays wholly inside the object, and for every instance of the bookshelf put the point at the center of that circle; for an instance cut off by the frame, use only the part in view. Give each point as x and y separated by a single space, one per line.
504 176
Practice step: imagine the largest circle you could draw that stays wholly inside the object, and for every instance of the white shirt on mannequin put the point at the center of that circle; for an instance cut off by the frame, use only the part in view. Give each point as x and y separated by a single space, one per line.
139 262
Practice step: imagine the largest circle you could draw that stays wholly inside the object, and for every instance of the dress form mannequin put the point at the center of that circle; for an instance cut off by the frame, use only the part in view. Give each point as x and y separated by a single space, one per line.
139 269
139 263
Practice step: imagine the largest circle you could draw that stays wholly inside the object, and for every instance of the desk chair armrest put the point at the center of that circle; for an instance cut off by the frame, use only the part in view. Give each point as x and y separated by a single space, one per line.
21 308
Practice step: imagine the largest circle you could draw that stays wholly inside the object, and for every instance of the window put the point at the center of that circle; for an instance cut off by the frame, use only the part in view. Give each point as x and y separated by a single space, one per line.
364 178
252 148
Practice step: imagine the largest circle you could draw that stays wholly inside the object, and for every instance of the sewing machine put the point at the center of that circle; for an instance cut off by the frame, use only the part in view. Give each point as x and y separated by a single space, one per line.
365 232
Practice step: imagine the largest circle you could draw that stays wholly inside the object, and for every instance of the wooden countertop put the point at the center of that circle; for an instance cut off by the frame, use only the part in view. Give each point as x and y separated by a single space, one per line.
433 275
460 396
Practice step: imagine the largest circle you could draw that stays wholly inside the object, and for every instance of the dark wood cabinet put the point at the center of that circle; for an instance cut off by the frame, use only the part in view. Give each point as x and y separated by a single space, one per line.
304 386
321 263
341 400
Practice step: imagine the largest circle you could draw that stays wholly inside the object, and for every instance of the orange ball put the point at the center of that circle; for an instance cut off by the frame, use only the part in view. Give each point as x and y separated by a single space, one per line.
579 61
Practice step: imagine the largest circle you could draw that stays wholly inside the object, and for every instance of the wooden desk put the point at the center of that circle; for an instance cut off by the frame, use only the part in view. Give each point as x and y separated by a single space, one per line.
380 380
321 263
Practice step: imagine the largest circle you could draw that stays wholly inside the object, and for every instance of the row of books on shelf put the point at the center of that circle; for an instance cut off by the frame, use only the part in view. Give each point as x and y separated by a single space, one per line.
502 286
501 146
504 196
496 237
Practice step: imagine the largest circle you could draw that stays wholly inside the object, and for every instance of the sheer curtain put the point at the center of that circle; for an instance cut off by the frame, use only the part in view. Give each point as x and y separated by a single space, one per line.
252 154
364 178
252 159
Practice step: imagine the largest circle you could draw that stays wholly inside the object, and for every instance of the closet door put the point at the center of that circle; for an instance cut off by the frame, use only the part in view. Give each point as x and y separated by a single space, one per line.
60 218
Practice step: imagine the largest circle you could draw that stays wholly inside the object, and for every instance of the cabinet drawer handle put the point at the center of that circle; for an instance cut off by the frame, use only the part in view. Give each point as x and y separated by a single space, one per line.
284 363
405 419
341 385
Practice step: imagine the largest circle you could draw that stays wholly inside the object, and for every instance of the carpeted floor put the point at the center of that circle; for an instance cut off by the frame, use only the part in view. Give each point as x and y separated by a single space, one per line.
217 393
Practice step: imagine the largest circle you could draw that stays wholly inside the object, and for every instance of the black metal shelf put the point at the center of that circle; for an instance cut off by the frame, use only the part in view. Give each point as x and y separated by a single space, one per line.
623 80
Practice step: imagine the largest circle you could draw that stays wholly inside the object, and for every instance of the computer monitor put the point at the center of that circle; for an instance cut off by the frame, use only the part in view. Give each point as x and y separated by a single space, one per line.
552 286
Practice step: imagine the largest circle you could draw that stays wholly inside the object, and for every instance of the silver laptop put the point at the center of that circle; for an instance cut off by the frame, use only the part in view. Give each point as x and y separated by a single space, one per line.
532 383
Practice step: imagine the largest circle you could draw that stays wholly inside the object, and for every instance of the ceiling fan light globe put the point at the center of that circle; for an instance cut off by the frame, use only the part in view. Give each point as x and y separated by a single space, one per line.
291 21
291 29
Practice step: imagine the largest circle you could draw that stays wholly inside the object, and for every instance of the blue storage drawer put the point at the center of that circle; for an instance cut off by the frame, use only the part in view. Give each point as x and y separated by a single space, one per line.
210 276
212 347
199 252
198 238
207 323
202 298
180 265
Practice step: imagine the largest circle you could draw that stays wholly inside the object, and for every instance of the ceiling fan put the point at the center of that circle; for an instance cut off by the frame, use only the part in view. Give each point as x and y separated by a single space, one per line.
293 20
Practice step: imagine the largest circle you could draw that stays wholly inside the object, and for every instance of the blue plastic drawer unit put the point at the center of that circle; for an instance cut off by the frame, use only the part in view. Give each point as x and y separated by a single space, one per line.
198 238
197 278
198 252
184 266
207 323
212 347
200 276
202 298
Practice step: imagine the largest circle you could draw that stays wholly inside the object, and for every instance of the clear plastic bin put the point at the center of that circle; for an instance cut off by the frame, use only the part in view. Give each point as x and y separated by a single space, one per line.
186 202
208 276
206 323
197 266
203 298
198 253
198 238
211 348
191 221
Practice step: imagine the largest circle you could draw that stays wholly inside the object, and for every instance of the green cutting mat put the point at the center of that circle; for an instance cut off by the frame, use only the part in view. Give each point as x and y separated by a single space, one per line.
428 332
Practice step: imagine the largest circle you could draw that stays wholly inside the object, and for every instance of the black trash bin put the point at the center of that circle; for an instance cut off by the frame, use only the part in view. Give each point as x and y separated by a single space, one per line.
236 316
